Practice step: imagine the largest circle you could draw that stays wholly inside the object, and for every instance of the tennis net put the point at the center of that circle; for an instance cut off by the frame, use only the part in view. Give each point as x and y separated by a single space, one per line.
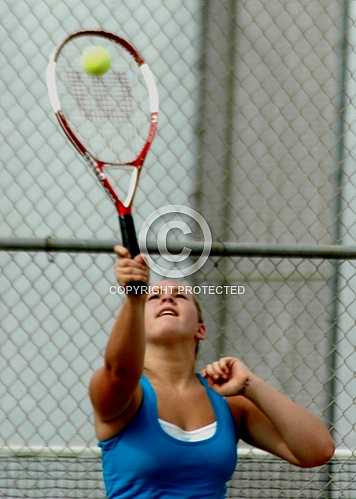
55 472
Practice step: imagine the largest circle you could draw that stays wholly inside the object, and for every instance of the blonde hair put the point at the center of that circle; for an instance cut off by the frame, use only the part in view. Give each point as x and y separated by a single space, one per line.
200 320
199 309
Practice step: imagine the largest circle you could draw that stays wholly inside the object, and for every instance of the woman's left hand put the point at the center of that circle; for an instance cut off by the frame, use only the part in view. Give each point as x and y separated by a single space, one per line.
227 376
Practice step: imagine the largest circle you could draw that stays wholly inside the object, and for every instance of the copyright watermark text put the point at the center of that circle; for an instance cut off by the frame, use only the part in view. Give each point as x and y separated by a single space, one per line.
201 289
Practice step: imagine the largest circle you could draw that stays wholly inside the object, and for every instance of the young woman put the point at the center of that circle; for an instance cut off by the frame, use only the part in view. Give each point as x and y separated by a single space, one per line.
167 431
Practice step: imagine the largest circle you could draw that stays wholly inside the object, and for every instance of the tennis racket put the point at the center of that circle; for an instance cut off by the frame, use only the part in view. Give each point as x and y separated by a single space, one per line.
111 120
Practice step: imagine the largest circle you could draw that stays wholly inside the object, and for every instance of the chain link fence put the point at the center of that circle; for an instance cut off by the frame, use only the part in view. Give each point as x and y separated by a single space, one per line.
58 311
257 134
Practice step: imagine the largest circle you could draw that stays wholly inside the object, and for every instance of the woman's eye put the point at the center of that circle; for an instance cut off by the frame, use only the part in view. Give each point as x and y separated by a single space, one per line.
179 295
152 297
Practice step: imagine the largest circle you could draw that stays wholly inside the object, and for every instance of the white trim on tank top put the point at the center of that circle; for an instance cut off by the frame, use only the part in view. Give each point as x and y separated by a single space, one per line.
197 435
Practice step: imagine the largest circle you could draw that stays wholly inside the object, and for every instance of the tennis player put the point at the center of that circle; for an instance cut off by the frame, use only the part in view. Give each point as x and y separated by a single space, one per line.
169 432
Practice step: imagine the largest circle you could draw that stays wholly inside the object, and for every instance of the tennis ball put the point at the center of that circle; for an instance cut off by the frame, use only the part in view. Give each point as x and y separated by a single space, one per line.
96 61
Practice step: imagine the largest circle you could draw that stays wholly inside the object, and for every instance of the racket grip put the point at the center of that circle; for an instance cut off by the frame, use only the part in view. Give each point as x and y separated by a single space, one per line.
129 240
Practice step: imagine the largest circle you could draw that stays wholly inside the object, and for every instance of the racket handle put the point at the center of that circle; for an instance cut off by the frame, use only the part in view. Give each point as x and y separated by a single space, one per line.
129 240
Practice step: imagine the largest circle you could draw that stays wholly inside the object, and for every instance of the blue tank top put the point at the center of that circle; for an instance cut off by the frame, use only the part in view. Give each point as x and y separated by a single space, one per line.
144 462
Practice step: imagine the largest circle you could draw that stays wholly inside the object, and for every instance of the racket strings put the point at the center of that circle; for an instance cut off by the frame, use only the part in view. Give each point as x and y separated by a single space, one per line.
110 114
100 98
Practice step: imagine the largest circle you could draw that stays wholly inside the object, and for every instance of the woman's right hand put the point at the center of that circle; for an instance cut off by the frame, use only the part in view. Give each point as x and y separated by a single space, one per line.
129 269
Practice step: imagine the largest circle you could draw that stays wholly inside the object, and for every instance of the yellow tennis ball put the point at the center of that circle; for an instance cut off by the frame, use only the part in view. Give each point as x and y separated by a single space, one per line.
96 61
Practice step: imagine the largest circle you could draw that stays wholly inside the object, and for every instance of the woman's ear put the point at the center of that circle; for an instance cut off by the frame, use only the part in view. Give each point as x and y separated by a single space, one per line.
201 332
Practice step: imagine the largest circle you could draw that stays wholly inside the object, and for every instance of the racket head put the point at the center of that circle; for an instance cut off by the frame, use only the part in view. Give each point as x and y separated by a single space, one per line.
113 117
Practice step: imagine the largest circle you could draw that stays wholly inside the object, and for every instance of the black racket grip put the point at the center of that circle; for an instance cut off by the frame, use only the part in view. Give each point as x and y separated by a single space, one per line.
129 240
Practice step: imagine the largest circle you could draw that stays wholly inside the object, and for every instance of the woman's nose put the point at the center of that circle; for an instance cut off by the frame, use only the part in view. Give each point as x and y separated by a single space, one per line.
167 298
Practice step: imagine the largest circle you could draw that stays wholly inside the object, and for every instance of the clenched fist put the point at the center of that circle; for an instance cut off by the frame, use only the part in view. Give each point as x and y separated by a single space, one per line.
129 269
227 376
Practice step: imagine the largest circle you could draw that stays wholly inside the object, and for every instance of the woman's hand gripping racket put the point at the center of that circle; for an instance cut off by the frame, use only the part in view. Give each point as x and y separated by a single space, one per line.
108 113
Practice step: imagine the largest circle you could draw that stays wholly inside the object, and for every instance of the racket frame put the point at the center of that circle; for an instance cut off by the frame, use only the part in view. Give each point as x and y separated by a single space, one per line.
94 163
123 208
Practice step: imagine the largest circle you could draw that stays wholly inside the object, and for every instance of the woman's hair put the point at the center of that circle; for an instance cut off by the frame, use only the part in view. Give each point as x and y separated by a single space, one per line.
199 310
200 320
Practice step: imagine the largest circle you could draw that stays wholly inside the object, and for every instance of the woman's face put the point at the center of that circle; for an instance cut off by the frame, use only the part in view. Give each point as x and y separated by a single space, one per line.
170 313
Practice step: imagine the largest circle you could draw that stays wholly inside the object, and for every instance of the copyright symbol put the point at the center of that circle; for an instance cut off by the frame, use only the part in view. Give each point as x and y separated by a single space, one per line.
169 220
